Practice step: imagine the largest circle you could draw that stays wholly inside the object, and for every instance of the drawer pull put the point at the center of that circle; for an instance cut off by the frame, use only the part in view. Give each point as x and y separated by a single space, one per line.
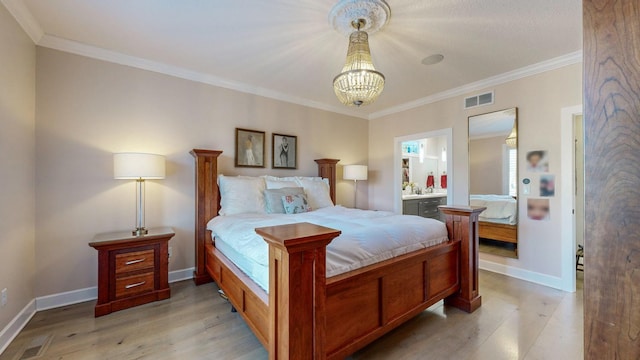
131 262
135 285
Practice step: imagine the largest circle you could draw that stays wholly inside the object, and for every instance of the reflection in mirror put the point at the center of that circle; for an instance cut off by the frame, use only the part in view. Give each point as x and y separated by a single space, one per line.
493 179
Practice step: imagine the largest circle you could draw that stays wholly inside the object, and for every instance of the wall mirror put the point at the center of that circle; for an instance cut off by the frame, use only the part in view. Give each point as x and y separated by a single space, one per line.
493 179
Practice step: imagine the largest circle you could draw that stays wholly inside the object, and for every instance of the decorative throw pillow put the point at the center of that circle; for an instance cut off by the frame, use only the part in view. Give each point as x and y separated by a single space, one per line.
241 195
317 190
295 204
273 198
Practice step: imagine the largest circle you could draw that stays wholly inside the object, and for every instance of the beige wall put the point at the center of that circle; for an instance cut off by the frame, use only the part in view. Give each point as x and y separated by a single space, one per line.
486 165
88 109
539 100
17 166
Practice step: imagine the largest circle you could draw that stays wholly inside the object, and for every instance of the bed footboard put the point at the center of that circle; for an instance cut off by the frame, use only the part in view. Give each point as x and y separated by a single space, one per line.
299 310
297 289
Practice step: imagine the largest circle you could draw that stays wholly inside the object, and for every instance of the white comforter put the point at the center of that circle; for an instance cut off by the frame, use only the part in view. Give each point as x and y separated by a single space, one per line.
501 209
367 237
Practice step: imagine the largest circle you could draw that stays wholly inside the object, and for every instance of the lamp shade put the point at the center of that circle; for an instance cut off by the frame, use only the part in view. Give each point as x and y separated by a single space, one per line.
355 172
138 166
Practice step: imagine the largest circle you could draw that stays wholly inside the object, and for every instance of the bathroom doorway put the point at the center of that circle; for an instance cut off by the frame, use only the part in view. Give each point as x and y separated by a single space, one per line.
420 161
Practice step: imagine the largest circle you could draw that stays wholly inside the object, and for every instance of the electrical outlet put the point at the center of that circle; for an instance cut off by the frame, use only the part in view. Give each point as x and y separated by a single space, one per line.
170 251
3 297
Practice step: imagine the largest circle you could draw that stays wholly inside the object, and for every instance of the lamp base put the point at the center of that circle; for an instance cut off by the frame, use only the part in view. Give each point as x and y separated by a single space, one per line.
140 232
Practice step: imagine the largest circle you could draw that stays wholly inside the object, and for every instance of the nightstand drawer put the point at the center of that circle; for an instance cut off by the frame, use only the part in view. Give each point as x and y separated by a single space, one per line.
135 260
135 284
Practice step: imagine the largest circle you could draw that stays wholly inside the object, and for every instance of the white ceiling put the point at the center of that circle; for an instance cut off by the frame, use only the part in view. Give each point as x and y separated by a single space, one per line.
286 49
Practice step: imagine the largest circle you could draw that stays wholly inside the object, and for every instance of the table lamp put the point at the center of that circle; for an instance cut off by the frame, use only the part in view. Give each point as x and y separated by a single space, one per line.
355 173
138 166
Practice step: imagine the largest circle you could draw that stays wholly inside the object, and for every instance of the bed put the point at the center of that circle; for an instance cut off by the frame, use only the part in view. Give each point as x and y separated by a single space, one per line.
304 313
500 219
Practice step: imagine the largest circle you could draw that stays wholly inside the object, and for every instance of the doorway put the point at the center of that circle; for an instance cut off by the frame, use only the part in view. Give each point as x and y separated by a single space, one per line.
572 198
444 151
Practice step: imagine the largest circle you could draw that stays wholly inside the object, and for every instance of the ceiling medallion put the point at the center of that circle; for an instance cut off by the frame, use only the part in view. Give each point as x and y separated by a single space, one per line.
359 83
375 13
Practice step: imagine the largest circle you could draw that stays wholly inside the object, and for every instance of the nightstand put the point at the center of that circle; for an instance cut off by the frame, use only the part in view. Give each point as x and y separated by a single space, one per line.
132 270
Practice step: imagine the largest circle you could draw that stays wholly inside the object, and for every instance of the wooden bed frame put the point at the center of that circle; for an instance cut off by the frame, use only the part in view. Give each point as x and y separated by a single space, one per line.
308 316
501 232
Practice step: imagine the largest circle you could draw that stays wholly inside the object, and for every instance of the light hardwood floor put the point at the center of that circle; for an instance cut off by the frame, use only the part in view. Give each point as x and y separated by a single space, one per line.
517 320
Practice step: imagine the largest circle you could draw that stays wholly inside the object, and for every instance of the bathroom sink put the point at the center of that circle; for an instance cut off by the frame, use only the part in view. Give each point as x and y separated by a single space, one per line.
423 196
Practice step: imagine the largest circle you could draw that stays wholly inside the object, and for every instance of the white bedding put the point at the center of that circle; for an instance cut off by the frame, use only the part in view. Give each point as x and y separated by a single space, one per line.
501 209
367 237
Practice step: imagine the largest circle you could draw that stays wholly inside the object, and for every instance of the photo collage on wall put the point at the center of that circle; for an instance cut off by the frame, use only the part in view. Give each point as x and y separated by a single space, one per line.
538 208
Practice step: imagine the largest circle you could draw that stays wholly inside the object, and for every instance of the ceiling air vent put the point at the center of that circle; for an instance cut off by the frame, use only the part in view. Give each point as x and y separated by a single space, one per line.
478 100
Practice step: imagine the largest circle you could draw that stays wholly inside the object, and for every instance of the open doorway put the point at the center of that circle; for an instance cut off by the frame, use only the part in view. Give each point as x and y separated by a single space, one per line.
572 198
415 157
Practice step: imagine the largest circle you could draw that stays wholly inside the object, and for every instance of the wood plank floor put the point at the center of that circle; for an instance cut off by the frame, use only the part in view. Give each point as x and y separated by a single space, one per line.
517 320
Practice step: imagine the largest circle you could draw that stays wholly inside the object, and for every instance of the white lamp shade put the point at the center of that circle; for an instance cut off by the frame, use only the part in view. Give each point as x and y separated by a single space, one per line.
355 172
138 166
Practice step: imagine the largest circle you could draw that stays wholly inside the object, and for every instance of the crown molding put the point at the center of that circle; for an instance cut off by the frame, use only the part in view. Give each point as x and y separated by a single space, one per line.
544 66
94 52
23 16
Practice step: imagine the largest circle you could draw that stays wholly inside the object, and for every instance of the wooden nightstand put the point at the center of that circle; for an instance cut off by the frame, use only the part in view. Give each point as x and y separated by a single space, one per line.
132 270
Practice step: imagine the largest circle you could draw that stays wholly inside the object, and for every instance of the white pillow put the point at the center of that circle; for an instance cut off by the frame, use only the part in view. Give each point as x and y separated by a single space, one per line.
273 198
317 190
241 195
279 183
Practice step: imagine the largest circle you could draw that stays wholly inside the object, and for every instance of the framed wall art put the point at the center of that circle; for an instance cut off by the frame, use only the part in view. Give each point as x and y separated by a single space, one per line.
285 151
249 148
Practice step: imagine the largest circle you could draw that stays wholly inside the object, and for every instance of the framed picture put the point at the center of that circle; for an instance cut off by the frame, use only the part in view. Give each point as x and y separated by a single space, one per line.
249 148
285 151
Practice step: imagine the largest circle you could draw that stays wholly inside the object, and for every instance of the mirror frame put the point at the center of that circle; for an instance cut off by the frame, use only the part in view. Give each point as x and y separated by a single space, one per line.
504 232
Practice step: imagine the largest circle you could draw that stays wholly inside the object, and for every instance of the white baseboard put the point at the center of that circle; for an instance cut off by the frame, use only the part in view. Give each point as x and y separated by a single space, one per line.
66 298
63 299
91 293
522 274
179 275
16 325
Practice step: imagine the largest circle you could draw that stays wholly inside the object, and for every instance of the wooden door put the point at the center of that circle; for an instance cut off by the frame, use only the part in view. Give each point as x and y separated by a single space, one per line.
612 181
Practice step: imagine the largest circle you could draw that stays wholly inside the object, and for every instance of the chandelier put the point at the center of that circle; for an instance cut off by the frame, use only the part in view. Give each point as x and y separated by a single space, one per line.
359 83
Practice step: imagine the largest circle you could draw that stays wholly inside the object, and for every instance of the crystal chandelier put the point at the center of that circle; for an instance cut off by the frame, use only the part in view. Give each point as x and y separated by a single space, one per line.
359 83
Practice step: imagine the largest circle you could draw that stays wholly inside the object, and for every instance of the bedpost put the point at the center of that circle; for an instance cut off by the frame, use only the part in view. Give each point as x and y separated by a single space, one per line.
327 170
297 289
206 205
462 225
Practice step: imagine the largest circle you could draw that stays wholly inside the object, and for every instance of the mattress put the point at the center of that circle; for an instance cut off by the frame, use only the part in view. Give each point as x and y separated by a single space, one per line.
367 237
501 209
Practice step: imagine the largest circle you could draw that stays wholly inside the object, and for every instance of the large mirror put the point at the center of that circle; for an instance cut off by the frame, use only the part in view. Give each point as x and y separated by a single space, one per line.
493 179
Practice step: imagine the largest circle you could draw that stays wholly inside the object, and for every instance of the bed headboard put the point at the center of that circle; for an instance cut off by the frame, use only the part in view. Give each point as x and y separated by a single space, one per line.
207 199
